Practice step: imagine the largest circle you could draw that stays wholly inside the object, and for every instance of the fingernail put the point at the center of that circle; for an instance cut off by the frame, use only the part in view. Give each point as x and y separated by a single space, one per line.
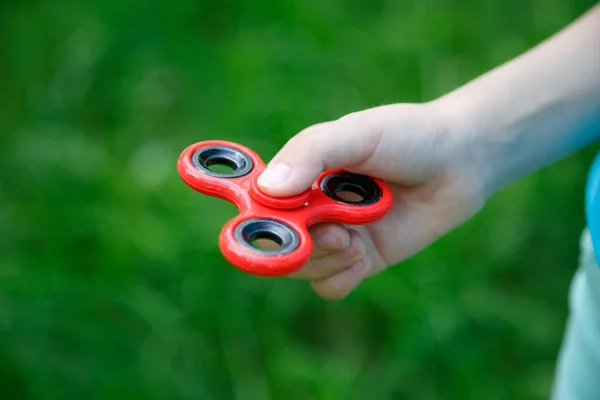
274 175
331 241
359 266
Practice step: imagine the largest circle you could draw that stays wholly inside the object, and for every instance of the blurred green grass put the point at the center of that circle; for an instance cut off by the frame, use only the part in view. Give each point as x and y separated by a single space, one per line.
111 282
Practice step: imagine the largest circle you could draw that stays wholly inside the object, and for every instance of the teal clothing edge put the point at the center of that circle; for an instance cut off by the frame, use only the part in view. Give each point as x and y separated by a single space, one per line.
592 204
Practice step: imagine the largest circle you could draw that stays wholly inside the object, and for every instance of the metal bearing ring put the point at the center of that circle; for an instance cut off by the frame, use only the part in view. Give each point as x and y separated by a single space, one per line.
367 191
258 228
235 159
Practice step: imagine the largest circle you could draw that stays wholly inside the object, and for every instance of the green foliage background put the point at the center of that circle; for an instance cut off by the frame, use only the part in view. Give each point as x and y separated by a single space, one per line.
111 282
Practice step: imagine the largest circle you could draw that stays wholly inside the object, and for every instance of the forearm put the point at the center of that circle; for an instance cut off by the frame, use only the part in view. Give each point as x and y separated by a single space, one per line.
534 109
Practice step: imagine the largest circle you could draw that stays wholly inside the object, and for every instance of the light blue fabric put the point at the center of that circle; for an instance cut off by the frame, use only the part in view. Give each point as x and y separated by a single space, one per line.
578 368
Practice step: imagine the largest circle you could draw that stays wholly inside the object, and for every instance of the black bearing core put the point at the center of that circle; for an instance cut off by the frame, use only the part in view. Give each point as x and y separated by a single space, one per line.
239 162
362 187
255 229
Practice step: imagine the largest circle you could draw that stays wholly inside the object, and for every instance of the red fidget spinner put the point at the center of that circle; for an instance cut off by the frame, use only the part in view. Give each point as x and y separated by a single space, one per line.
282 220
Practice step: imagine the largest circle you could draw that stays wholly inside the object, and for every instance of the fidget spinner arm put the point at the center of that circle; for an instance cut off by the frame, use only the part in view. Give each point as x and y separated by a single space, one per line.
283 221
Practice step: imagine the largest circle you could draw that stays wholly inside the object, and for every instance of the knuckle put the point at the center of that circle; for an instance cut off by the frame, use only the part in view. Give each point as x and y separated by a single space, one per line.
320 229
294 140
352 117
331 237
305 136
355 251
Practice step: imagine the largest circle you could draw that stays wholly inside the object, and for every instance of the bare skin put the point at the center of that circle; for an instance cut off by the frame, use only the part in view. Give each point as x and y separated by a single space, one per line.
445 158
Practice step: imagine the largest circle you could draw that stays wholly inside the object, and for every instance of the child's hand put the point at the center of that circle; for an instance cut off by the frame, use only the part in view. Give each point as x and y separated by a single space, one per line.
443 159
412 148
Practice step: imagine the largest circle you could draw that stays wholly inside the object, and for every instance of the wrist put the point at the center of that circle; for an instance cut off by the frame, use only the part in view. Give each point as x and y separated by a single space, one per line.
476 150
519 117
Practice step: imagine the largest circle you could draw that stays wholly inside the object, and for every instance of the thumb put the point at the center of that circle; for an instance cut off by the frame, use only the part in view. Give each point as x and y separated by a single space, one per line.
343 143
